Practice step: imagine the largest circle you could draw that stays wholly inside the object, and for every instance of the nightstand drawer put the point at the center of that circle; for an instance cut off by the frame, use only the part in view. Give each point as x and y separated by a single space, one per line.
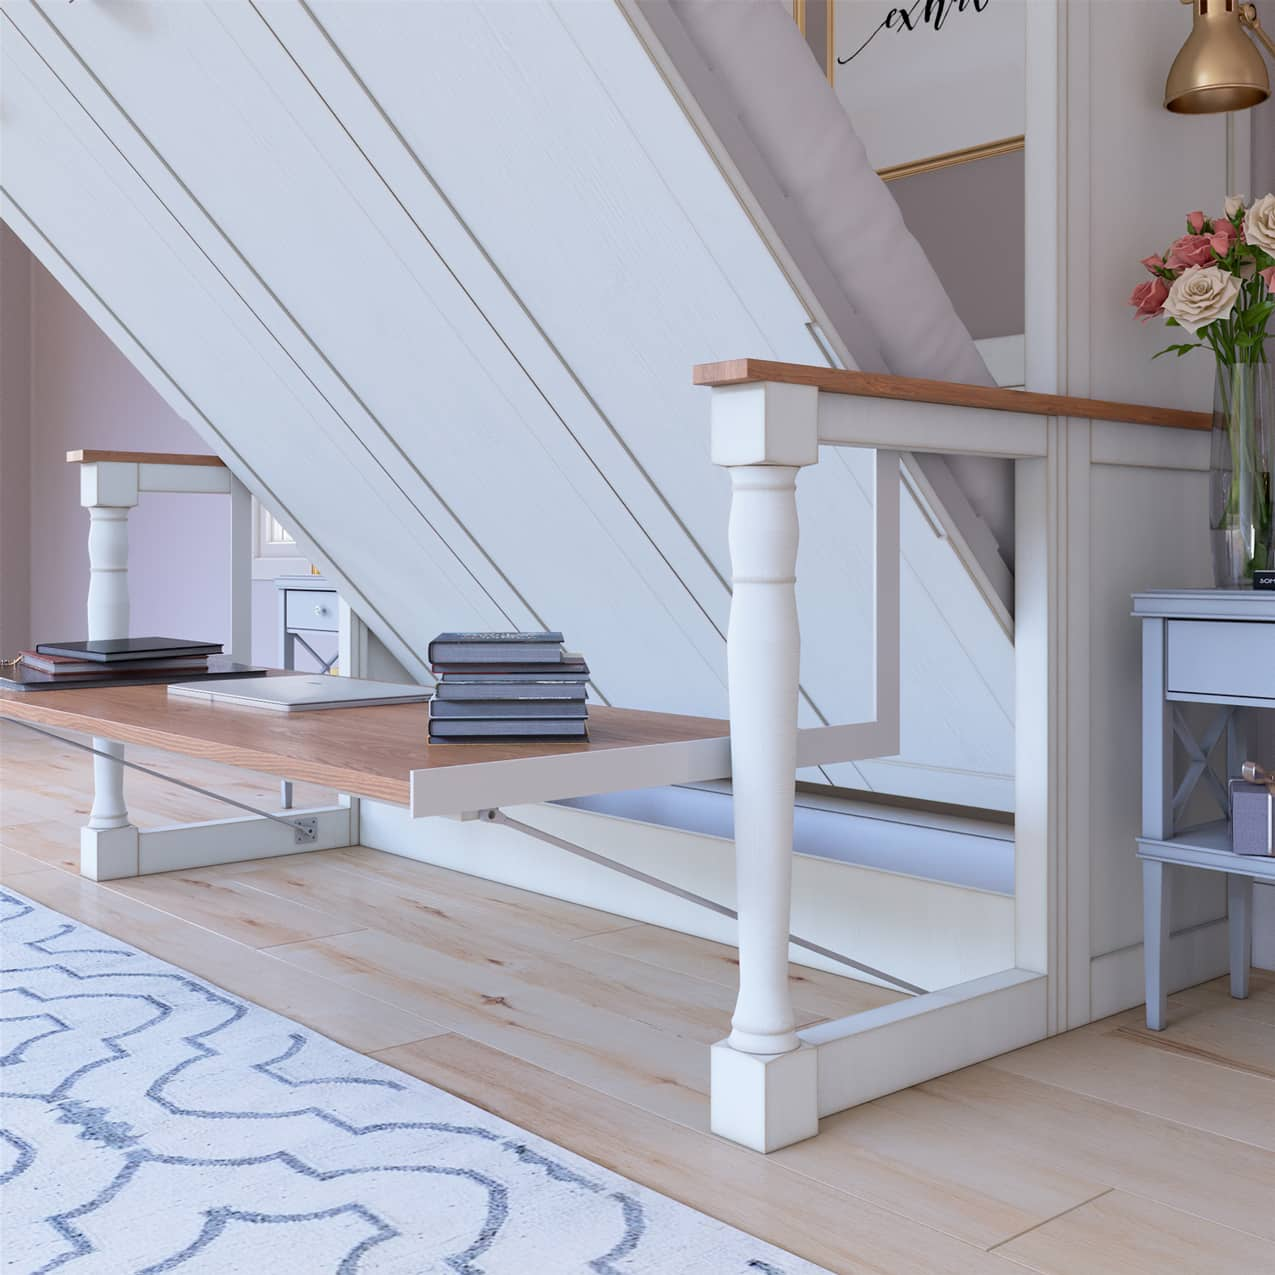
1222 659
311 609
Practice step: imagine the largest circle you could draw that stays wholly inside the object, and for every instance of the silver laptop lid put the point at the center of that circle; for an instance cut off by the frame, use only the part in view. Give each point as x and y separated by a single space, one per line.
300 691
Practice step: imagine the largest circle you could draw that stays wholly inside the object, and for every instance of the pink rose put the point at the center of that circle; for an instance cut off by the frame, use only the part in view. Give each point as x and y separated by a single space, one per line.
1223 236
1268 278
1196 221
1148 298
1190 250
1153 263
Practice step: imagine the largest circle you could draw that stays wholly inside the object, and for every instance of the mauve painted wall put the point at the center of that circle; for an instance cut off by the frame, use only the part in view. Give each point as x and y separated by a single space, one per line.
969 220
15 443
82 392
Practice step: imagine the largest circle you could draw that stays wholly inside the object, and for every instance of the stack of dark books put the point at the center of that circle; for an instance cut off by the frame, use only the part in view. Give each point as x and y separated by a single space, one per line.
516 686
119 661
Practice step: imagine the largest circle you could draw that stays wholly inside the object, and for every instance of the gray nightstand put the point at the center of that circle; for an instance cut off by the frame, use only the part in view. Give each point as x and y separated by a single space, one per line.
1199 646
308 608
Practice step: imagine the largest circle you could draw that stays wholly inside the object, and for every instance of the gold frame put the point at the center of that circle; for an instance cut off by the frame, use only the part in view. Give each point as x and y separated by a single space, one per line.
830 47
932 163
950 159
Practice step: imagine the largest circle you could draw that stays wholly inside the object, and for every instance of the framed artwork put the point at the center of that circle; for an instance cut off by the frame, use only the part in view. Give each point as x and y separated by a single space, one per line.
929 84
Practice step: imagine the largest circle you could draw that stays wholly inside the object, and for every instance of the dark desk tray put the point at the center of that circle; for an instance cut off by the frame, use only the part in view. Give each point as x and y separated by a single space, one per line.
28 679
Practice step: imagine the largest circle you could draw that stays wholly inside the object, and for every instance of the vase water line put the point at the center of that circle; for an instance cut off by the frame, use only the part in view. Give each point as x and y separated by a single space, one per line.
1241 515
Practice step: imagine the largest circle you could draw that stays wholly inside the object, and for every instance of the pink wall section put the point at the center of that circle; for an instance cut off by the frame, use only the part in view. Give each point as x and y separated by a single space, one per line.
81 391
15 443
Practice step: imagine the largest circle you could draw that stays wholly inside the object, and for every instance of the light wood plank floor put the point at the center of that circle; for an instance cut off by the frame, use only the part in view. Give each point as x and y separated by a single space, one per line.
1110 1149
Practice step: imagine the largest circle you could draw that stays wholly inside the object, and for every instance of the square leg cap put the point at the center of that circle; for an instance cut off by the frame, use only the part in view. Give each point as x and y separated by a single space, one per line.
108 853
764 1101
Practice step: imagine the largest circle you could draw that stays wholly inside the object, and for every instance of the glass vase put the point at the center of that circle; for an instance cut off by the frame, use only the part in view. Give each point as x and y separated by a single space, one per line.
1240 513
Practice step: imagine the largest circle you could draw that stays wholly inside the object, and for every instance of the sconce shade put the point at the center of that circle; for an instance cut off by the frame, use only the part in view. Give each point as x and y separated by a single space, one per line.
1219 68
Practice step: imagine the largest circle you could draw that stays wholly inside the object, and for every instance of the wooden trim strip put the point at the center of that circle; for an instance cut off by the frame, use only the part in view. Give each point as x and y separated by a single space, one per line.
85 456
916 390
949 159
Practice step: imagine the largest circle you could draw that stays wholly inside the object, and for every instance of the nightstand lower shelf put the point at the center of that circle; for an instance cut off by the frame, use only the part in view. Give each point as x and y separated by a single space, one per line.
1206 847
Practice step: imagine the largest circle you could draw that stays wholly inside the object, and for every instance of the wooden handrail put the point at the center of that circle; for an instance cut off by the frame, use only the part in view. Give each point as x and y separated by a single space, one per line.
87 457
915 390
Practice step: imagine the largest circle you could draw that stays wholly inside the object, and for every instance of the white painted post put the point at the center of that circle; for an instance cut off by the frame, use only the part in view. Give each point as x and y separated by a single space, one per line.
108 843
763 645
240 572
763 1079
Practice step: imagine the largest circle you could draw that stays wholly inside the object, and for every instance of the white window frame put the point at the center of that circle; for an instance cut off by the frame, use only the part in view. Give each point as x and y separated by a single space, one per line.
273 555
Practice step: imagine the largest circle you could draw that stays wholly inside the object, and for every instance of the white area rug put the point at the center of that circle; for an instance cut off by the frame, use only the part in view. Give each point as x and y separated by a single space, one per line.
154 1123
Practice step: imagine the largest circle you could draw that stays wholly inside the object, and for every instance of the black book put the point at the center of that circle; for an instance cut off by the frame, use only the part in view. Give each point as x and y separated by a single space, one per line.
496 648
23 678
570 668
528 691
476 710
504 728
113 650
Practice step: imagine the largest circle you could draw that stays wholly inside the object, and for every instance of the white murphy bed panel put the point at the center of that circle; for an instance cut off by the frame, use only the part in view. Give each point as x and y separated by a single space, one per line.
466 385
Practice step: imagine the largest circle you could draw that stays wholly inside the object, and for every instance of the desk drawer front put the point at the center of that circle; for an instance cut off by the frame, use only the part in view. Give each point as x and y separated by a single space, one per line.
312 609
1222 659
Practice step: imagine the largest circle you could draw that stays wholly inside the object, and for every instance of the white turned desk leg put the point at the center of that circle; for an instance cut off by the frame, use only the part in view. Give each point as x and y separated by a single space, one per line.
764 1091
763 649
109 842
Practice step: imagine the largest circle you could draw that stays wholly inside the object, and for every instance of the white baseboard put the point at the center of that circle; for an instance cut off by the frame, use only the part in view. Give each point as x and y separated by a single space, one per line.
199 845
1197 954
929 932
883 1050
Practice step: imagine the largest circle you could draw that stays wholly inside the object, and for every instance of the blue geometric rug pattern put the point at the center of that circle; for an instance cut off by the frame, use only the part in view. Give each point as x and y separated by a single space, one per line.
152 1123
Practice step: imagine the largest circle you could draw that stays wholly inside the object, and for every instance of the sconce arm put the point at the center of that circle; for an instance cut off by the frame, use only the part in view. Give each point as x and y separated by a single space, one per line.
1249 18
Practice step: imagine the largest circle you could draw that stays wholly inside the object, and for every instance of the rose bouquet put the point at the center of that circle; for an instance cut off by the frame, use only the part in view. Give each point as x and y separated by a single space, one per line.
1217 283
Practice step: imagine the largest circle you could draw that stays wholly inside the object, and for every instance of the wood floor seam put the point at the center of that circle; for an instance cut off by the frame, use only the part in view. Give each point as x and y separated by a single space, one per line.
336 934
1159 1040
1027 1230
996 1064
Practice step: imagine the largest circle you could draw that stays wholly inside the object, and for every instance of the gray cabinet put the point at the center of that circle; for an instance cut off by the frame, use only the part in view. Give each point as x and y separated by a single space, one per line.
1210 647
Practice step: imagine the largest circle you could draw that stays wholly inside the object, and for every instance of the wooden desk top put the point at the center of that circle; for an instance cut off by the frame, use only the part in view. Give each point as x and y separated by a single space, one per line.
383 752
85 456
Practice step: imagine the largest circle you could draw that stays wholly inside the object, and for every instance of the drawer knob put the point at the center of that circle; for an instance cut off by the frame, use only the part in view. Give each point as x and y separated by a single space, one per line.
320 609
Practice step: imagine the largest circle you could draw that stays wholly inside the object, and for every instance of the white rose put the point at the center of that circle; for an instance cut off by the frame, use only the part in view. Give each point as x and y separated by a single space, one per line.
1234 204
1259 223
1201 294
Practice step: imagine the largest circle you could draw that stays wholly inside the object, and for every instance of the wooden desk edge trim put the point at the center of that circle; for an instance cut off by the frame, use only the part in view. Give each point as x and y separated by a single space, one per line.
361 784
946 393
87 456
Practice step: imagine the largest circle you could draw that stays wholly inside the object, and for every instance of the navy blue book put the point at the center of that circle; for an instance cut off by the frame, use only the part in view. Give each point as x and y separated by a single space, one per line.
532 691
570 668
496 648
450 731
478 710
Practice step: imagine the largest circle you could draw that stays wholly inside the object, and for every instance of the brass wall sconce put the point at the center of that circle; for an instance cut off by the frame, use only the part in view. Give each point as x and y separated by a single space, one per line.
1219 68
